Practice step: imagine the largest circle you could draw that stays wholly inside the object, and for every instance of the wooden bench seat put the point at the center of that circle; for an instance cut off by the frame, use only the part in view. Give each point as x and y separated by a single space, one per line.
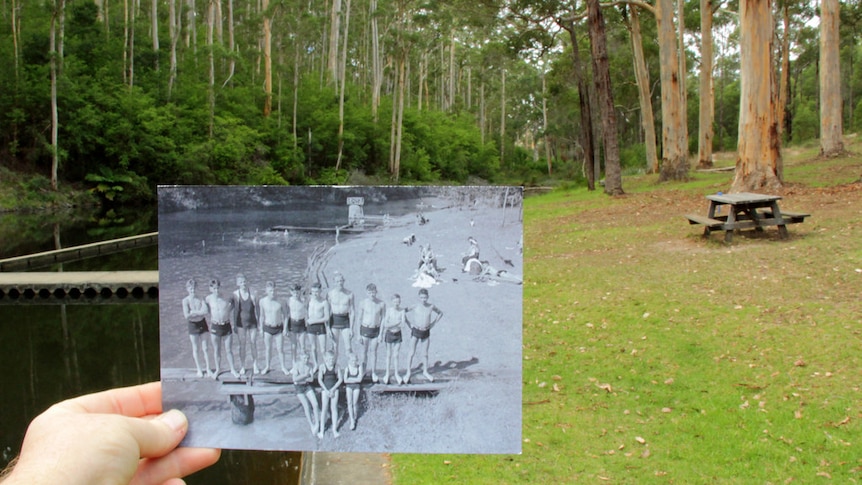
706 221
789 216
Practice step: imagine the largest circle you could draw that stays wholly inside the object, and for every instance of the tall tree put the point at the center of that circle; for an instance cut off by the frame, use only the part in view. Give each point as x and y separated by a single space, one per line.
674 141
707 97
758 162
586 134
58 17
644 89
831 124
602 79
267 59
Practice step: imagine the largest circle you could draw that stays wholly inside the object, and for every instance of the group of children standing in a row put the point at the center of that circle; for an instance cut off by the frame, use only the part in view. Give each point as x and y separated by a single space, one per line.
316 329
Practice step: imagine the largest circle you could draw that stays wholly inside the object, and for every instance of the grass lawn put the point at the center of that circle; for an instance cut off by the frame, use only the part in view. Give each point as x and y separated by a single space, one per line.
652 355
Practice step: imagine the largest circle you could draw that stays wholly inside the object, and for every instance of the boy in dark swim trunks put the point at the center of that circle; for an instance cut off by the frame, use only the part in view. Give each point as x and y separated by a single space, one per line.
330 380
220 329
341 306
371 312
296 332
195 311
317 323
353 382
302 378
391 335
425 316
272 323
244 320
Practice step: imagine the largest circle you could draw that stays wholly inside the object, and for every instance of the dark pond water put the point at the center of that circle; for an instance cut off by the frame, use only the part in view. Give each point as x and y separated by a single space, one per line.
52 352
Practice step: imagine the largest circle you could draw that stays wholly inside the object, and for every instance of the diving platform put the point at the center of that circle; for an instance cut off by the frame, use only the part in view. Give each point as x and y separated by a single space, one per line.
84 287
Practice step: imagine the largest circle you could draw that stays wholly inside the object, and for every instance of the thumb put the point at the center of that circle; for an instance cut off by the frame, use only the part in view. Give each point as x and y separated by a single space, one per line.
157 437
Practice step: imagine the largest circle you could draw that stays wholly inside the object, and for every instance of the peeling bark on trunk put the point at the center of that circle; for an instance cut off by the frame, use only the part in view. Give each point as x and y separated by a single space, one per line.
707 108
642 76
758 163
674 144
831 127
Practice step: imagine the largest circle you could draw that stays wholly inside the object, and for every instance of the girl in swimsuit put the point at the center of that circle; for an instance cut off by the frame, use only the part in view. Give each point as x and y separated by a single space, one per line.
353 379
330 380
302 377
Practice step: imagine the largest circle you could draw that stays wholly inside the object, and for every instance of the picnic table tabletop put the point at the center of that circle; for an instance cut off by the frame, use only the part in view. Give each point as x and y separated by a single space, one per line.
742 198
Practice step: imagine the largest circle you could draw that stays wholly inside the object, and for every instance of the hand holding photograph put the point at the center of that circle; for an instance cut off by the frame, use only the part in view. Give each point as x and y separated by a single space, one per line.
347 319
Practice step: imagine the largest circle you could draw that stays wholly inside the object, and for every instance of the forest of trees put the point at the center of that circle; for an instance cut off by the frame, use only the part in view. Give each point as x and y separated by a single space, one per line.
135 93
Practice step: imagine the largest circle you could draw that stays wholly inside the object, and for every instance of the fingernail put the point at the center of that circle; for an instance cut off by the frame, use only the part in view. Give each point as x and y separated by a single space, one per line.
175 419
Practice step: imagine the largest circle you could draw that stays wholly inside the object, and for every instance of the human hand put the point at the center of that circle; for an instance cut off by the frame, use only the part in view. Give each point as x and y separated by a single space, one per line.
117 436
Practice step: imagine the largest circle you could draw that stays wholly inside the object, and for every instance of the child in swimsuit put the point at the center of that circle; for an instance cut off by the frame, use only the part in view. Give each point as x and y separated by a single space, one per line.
302 378
371 312
195 311
296 330
244 321
272 323
353 382
330 380
317 323
391 335
425 316
220 328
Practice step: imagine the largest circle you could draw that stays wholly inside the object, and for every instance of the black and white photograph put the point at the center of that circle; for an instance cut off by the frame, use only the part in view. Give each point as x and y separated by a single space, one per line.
383 319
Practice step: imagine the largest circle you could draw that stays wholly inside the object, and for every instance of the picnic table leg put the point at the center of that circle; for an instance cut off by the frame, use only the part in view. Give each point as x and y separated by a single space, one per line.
754 216
731 220
711 215
776 213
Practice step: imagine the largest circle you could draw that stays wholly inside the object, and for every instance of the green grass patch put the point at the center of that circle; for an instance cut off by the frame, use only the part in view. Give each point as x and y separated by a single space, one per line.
654 356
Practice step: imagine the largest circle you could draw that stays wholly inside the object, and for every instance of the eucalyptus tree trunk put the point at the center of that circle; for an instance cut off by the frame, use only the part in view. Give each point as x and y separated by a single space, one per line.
707 104
267 60
399 120
602 79
586 135
16 39
154 26
674 140
191 28
831 128
450 102
174 32
377 65
58 18
644 98
342 78
784 80
231 44
683 71
547 141
131 16
211 11
503 118
758 162
334 30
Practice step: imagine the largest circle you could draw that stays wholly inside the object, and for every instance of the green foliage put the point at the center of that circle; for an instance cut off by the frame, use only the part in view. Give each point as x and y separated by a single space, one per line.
118 187
805 123
633 157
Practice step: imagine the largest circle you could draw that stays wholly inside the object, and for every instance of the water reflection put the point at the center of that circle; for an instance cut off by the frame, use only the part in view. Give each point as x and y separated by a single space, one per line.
51 352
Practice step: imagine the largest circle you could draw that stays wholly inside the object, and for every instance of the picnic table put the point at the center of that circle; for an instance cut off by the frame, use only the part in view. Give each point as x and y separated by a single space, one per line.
745 210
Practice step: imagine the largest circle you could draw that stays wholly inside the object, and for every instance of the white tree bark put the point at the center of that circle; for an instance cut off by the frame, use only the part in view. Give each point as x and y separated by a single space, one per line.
831 126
